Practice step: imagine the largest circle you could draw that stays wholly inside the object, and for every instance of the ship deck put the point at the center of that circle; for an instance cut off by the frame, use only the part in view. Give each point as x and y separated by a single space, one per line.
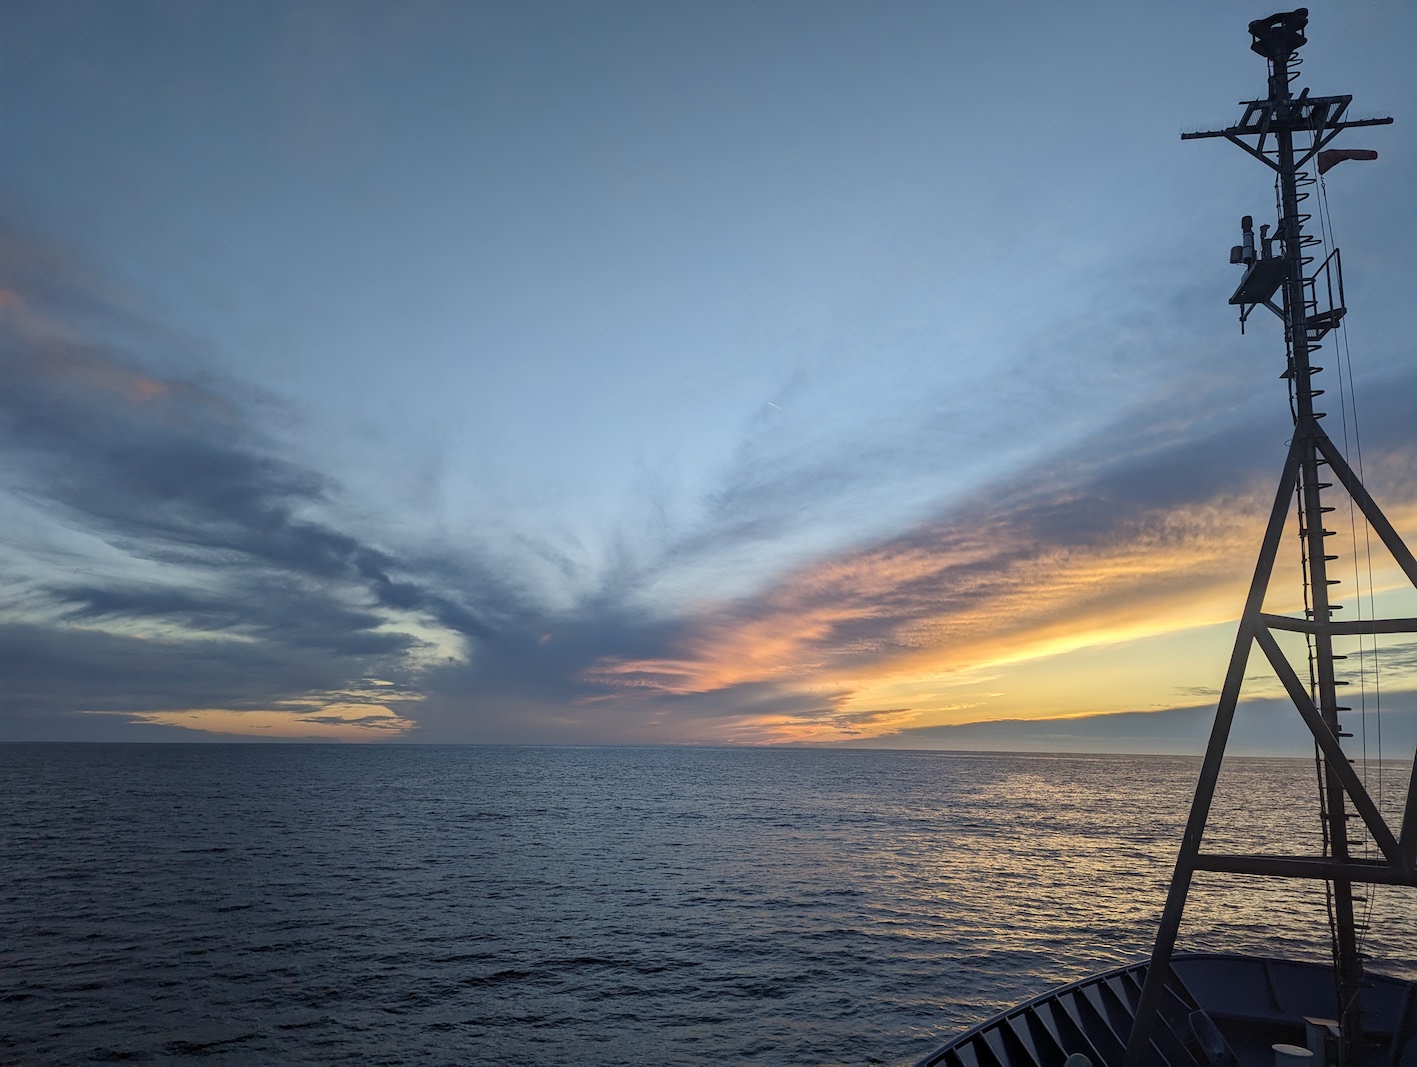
1254 1003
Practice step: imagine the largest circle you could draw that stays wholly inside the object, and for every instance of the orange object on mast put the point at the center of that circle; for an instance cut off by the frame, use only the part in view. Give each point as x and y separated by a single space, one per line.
1332 157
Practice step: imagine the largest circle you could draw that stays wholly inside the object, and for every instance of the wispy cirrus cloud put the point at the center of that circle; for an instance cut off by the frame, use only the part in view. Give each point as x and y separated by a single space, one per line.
1141 530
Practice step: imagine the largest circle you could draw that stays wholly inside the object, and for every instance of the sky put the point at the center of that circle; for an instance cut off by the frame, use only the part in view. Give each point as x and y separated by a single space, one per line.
629 373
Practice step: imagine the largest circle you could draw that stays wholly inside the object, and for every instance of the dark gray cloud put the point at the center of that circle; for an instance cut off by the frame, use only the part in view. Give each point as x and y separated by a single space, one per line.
1390 658
56 675
259 605
171 472
233 585
1261 727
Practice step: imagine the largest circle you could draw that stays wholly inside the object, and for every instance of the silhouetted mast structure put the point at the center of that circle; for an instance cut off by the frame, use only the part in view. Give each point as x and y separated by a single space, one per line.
1288 134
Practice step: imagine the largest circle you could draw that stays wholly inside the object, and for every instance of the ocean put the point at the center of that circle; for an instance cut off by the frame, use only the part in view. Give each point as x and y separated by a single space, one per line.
314 904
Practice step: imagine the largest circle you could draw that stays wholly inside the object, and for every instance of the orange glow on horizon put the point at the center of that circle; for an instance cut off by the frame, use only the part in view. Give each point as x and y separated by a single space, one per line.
330 722
952 626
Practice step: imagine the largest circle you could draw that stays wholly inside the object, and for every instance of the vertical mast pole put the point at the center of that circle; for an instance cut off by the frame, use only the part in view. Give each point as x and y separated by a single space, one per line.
1312 532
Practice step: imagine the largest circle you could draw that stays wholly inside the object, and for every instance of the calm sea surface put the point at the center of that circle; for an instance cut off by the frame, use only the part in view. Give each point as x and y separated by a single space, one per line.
260 904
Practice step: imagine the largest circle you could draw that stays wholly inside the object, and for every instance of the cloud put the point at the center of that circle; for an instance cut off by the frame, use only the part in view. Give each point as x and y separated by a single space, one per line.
1261 727
177 565
1147 527
335 722
221 578
56 675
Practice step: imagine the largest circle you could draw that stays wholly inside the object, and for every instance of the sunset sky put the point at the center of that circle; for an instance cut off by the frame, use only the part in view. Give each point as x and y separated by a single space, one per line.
664 372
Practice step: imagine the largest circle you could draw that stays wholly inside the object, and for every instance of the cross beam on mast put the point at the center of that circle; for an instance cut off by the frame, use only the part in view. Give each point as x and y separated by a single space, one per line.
1286 132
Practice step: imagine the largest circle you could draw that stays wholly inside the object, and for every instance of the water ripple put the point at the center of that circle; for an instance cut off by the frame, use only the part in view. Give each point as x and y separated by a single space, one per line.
427 905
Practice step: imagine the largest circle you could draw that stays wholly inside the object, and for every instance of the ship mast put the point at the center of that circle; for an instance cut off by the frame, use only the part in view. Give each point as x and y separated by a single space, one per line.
1288 134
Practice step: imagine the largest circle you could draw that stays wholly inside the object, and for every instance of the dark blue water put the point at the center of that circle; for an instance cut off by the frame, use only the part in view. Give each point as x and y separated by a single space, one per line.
426 905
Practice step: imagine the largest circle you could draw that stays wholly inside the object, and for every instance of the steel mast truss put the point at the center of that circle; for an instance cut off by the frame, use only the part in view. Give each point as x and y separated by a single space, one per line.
1286 133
